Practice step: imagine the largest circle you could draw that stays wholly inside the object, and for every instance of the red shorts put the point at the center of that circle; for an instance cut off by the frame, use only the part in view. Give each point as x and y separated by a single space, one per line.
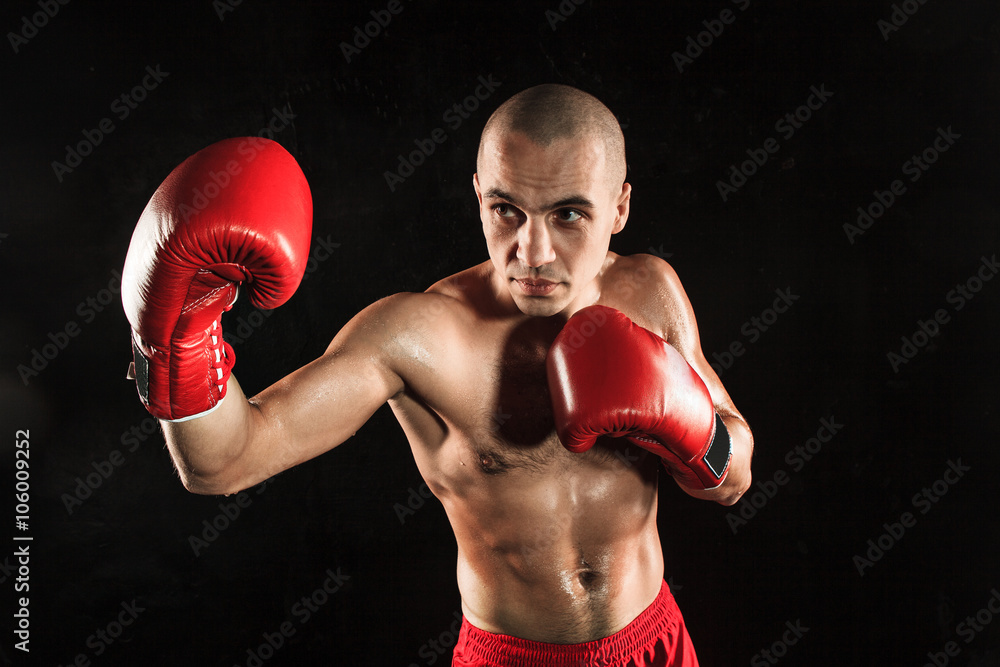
656 638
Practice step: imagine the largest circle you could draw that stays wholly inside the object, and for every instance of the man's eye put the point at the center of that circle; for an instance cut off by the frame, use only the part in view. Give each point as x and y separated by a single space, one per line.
504 210
568 215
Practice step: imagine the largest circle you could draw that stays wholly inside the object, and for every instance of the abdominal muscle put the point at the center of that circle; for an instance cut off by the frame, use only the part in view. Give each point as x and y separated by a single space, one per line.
562 550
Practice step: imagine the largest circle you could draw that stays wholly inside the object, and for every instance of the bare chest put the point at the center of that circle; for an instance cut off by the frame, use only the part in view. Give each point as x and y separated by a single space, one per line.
488 410
512 427
483 408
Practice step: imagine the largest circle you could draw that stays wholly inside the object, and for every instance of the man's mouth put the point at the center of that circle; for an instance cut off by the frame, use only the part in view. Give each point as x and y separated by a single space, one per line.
535 286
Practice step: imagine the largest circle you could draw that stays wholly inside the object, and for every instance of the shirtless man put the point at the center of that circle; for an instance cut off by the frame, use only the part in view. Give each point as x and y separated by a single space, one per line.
559 560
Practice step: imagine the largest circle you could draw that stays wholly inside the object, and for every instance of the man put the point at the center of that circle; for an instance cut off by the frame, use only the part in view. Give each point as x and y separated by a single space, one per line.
559 560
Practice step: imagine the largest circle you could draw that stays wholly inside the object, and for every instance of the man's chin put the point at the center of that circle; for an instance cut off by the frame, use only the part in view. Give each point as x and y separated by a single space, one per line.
539 306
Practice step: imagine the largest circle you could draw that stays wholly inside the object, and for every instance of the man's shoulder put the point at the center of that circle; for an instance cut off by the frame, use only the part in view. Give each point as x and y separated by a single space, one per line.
639 275
468 283
413 333
647 288
446 300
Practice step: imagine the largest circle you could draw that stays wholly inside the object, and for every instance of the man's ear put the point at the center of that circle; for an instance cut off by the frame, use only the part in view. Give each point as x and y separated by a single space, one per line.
622 207
479 193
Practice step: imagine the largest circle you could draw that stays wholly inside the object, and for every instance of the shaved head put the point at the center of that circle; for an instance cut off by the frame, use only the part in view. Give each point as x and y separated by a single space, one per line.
551 112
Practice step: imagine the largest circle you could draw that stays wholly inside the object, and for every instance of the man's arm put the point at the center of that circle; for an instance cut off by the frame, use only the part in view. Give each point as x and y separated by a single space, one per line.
683 336
312 410
646 379
189 253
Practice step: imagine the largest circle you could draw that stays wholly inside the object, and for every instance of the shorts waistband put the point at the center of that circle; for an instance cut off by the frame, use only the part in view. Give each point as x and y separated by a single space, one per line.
515 652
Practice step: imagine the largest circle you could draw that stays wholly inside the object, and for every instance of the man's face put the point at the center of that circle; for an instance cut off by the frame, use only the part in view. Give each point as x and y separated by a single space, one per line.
548 215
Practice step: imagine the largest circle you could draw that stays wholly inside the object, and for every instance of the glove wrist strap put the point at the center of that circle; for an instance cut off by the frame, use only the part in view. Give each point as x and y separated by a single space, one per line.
720 450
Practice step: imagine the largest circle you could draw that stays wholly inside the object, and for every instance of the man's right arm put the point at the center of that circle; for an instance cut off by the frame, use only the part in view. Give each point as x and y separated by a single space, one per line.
239 213
312 410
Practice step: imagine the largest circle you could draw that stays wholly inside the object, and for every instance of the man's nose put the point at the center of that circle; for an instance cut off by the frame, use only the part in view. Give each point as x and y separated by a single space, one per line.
534 244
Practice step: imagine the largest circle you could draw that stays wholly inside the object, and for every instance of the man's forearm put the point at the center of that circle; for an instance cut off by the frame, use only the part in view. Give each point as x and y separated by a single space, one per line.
207 450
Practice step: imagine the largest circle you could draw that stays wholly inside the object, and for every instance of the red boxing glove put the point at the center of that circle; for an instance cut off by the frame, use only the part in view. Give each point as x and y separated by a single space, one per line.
239 210
609 376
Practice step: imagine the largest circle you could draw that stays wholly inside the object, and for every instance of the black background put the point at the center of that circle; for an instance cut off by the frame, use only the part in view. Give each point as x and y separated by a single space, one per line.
61 239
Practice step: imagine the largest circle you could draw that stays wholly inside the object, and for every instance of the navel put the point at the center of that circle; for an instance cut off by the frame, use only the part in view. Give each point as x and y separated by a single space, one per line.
588 579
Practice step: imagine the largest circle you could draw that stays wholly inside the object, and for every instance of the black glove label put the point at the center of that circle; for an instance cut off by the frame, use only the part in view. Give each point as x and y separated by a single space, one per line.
141 373
719 452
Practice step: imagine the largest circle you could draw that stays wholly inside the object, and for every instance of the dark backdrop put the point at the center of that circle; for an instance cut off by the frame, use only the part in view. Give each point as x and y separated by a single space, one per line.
111 524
